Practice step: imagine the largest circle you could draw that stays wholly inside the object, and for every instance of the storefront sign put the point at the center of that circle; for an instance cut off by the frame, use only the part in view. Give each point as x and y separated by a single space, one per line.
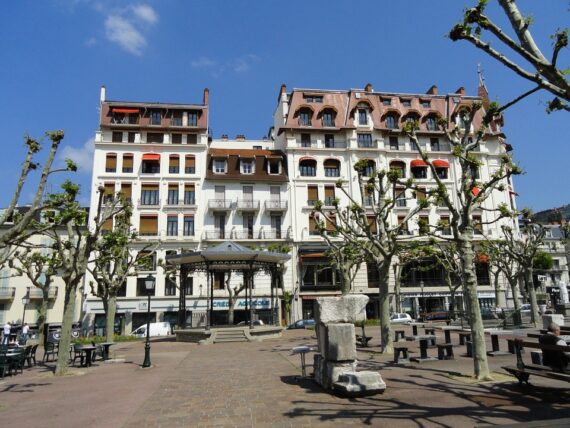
223 304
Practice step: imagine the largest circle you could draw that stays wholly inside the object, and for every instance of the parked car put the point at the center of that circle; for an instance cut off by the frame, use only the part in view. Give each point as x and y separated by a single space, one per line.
255 322
156 329
398 318
302 324
434 316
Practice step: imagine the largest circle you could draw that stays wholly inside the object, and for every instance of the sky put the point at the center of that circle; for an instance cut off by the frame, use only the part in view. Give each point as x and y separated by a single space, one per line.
56 54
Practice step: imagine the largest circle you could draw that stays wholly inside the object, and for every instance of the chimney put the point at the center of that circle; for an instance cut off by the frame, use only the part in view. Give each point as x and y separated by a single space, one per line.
460 91
225 137
206 96
282 93
240 137
103 94
368 88
432 90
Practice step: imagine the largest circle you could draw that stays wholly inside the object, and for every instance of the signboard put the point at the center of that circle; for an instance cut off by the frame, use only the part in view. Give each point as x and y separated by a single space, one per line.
223 304
143 306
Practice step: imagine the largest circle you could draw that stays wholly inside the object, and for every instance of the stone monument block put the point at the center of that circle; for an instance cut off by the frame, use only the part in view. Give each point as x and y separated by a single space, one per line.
349 308
547 319
339 342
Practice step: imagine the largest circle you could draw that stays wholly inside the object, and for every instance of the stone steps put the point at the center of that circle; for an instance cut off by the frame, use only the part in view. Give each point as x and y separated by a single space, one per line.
230 335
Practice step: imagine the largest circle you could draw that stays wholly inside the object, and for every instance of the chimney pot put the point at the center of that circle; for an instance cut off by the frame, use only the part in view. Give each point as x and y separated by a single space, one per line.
225 137
460 91
432 90
240 137
283 88
206 96
103 93
368 88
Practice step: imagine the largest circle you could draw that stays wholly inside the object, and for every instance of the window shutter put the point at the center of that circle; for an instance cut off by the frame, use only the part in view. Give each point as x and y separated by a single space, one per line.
313 193
127 190
190 161
111 162
148 224
174 161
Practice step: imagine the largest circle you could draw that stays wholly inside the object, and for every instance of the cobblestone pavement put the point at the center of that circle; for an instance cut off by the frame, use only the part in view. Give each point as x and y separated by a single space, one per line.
256 384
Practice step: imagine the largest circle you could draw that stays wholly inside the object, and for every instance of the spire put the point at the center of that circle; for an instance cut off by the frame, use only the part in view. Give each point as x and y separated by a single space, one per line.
482 88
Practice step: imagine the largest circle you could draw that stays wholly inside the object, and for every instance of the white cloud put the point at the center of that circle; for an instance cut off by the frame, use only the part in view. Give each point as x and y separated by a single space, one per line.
145 13
122 32
244 63
91 41
203 62
240 64
82 156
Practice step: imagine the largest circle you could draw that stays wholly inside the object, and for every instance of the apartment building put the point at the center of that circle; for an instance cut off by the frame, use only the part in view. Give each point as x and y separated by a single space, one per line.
325 132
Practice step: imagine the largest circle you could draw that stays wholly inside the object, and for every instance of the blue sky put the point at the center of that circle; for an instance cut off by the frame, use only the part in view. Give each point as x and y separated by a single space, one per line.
57 53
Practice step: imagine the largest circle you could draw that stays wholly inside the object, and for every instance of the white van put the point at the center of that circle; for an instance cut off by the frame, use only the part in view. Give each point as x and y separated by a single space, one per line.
156 329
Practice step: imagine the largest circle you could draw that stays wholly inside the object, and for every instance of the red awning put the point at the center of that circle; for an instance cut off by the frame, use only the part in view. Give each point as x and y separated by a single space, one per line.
125 110
306 158
151 156
417 162
440 163
475 191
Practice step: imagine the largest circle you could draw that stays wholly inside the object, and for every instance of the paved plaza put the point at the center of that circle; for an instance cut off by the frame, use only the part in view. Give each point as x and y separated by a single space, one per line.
258 384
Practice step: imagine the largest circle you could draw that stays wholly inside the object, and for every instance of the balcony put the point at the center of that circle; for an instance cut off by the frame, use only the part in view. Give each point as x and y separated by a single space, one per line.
247 205
220 204
247 234
275 234
335 145
275 205
329 201
216 234
7 293
38 294
367 144
149 203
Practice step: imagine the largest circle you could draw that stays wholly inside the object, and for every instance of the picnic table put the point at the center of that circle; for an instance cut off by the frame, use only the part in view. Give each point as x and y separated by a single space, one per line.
496 351
89 350
447 329
423 339
415 326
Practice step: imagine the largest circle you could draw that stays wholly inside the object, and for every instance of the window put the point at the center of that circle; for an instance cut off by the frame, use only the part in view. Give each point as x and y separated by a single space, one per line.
372 224
155 137
109 192
132 137
426 103
391 121
475 172
423 225
219 166
189 289
176 119
247 166
444 225
329 141
308 168
431 123
155 117
313 225
173 194
148 225
256 147
247 223
192 139
305 116
329 195
149 194
174 164
369 169
362 116
176 138
128 162
332 168
151 166
364 140
406 102
172 225
313 98
434 143
400 167
441 173
387 101
170 286
394 144
400 196
411 118
111 162
189 194
119 118
274 166
107 226
190 164
477 225
328 118
188 225
482 272
331 226
313 195
219 278
141 288
192 118
276 226
419 172
305 140
126 191
373 275
421 194
404 225
117 137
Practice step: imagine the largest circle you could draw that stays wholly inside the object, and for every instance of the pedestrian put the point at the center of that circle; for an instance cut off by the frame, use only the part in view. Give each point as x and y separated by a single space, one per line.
558 360
6 333
24 334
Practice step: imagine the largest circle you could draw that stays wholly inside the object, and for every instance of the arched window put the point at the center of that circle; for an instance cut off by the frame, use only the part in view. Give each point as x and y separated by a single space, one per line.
391 121
369 169
332 168
431 122
328 117
419 169
441 168
174 164
305 117
308 167
400 167
111 162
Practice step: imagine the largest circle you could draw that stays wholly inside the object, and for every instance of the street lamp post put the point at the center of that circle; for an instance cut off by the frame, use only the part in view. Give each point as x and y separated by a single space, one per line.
423 298
25 301
149 285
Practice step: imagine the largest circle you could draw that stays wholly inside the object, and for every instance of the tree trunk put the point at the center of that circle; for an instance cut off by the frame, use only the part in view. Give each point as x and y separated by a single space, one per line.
231 310
42 314
65 339
397 289
534 315
481 368
110 310
384 304
345 286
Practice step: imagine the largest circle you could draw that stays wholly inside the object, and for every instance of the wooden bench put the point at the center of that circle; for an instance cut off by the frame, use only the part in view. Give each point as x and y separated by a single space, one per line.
445 351
401 349
399 334
362 341
523 371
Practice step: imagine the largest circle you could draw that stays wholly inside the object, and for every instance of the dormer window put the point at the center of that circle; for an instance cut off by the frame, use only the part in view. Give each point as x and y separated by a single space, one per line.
313 98
362 117
192 118
386 101
391 121
176 119
406 102
220 166
247 166
274 166
431 123
426 103
155 117
328 118
305 117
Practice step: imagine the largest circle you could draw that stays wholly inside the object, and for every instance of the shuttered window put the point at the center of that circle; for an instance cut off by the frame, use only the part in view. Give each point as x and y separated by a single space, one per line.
108 224
313 225
313 194
149 194
174 164
111 162
189 194
128 162
127 190
148 225
190 165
